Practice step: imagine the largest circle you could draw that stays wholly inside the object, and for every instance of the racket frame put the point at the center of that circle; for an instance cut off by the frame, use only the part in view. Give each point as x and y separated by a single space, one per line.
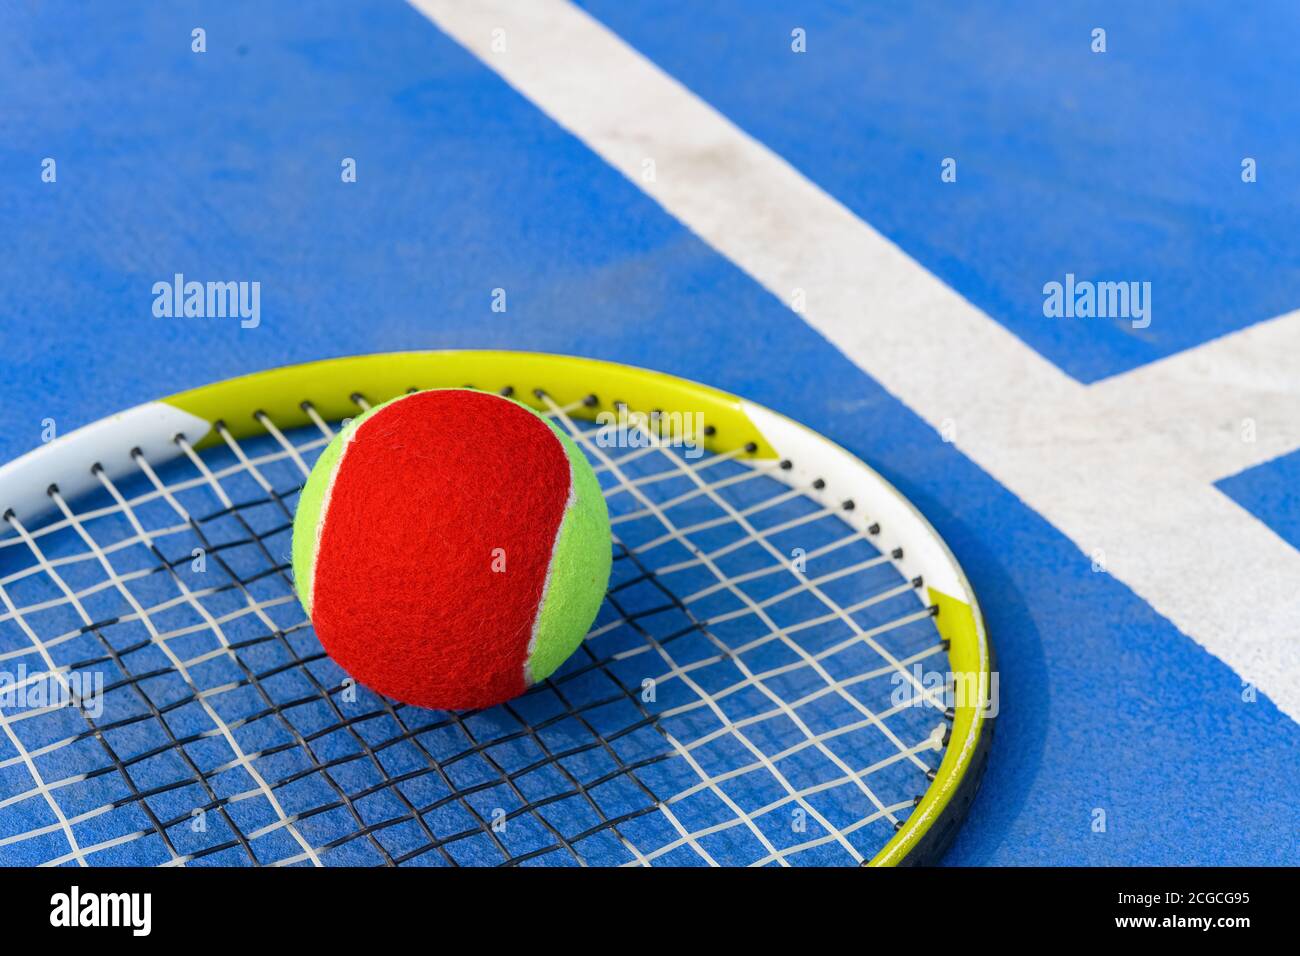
816 466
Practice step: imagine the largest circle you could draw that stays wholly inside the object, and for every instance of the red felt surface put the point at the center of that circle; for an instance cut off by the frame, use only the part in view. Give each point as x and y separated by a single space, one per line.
405 597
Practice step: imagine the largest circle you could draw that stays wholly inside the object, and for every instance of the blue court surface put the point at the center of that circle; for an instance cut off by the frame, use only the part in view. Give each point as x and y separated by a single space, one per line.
1121 486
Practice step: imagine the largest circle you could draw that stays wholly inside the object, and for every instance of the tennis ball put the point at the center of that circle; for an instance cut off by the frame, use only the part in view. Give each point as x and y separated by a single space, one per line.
451 548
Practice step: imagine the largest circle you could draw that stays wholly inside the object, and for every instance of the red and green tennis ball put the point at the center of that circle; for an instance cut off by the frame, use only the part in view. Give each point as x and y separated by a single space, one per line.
452 548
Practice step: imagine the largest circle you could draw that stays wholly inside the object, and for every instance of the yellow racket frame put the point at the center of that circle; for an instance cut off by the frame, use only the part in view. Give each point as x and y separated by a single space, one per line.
330 388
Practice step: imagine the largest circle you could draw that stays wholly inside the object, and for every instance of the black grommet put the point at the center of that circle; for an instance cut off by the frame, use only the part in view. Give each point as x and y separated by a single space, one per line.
52 490
709 431
896 554
591 401
848 504
917 582
539 393
751 447
819 484
786 464
873 529
508 391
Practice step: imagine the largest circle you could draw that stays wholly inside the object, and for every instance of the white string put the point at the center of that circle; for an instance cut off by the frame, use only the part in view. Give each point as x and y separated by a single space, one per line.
634 489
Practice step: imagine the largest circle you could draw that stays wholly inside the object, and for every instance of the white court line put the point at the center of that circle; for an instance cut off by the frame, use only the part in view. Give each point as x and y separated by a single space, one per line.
1113 468
1207 395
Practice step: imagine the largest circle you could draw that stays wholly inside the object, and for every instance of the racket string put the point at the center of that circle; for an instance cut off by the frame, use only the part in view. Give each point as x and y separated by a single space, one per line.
412 813
687 831
752 536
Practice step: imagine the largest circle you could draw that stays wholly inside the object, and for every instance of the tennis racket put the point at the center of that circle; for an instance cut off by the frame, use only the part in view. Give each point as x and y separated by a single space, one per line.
789 667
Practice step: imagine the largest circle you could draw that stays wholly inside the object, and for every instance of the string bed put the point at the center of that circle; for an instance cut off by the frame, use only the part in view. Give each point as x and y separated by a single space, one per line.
164 700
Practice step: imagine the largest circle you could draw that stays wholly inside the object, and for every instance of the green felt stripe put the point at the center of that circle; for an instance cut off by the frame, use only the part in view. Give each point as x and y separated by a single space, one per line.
306 521
580 568
308 516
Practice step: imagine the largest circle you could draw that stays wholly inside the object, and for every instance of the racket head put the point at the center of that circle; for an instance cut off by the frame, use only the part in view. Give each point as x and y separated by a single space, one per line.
736 701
